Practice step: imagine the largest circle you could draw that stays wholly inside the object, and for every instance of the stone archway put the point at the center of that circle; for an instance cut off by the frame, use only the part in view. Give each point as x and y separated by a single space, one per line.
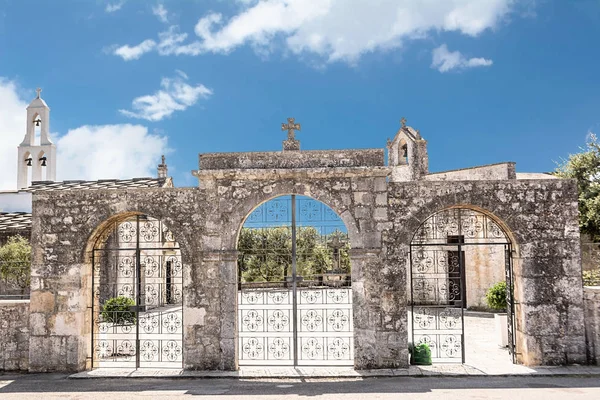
294 285
137 294
453 250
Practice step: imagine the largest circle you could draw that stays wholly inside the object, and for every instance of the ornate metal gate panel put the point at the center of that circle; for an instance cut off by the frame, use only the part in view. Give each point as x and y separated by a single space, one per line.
436 301
137 297
437 276
295 296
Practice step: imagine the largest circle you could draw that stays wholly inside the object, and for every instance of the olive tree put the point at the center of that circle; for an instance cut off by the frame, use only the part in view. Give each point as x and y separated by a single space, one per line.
15 263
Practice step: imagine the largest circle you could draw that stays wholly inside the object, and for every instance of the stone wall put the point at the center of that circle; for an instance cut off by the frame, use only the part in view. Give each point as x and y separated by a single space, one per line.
65 225
484 266
500 171
541 217
592 323
14 335
590 254
381 217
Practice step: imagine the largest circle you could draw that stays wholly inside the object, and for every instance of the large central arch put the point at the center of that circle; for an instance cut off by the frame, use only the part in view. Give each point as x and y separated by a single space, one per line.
294 285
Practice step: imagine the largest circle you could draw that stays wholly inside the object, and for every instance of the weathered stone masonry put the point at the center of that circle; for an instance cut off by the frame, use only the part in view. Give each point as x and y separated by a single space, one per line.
592 323
541 217
381 216
14 335
64 229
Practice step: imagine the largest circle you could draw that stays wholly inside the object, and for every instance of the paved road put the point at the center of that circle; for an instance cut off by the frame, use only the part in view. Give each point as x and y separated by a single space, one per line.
52 386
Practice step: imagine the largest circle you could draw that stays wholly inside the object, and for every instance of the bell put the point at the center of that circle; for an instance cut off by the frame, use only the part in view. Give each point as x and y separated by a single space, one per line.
28 160
43 160
38 122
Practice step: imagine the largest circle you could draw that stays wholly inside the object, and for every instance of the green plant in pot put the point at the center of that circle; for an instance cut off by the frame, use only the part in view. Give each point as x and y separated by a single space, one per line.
118 310
496 300
496 297
421 354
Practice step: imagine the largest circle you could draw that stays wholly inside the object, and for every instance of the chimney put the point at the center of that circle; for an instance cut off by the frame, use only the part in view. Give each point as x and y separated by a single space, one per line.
162 168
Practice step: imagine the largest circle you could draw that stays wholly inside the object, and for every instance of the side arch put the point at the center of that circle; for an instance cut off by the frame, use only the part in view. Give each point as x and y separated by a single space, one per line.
134 259
456 254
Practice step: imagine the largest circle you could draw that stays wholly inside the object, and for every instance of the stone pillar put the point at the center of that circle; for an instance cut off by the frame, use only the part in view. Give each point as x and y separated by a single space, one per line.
228 276
380 334
592 323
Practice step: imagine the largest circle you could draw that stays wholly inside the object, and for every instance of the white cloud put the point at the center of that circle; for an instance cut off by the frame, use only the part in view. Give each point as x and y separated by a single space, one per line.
135 52
112 7
176 95
339 30
445 60
12 132
87 152
161 13
109 151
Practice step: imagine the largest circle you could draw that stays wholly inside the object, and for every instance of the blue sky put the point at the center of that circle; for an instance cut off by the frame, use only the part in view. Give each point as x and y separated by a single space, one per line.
484 81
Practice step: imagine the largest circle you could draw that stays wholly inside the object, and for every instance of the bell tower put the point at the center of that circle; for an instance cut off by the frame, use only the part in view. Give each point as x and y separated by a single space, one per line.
407 154
37 153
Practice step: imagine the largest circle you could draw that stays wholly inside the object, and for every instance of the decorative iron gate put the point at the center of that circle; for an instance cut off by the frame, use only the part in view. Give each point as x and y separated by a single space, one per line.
137 297
294 290
437 276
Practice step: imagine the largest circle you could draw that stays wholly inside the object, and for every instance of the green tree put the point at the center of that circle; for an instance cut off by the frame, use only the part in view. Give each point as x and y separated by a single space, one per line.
266 254
15 263
585 168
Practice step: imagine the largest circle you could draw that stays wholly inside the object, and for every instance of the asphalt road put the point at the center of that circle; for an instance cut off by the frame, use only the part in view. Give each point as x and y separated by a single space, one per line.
53 386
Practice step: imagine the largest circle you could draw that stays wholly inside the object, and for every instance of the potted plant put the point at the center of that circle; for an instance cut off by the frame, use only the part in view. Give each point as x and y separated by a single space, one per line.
496 300
421 354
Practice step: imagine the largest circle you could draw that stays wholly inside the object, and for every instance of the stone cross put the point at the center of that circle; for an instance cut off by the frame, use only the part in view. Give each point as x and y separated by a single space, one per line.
336 244
403 122
38 91
291 126
291 143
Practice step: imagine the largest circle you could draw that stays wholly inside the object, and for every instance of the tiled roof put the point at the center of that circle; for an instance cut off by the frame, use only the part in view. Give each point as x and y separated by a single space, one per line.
101 184
15 221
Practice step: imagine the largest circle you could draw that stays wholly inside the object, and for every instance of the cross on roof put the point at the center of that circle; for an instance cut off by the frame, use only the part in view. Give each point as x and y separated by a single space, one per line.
38 91
403 122
291 126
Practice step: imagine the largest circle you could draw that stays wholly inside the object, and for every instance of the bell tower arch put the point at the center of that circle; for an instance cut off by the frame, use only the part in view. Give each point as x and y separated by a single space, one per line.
407 154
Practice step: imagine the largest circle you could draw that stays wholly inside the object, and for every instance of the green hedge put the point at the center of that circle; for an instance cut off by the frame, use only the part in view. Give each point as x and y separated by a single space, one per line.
117 310
496 296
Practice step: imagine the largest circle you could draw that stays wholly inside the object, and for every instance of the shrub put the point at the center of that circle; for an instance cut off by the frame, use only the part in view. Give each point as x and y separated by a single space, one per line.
591 278
117 310
15 263
421 354
496 296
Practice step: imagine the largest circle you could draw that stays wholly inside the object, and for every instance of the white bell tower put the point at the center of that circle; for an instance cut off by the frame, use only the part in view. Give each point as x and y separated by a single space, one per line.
39 154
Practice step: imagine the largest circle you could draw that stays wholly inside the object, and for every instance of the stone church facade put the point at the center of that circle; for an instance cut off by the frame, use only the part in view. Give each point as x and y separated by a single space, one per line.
395 213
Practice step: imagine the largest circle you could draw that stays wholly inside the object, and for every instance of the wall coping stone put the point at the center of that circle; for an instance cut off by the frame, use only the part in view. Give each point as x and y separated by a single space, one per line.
292 160
297 173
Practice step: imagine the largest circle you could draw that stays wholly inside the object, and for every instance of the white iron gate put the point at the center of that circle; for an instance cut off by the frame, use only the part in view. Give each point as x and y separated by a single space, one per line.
294 291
